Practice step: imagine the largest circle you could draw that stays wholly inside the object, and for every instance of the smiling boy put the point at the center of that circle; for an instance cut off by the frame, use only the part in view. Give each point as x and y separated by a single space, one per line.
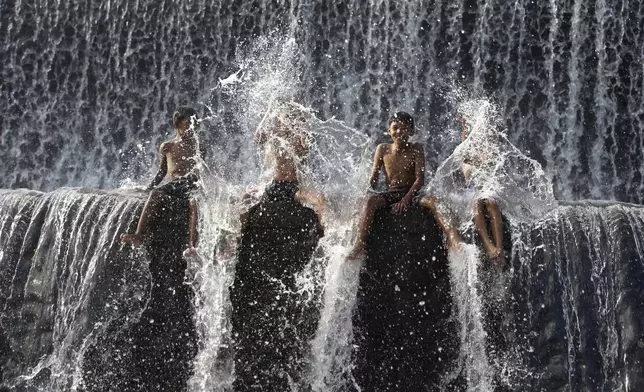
404 167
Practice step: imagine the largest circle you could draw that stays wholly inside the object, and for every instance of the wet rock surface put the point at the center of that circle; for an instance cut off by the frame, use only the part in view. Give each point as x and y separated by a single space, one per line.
273 318
405 336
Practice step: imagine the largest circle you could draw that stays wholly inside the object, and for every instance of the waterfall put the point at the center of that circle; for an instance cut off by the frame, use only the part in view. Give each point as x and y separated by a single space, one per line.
585 256
88 87
67 283
87 92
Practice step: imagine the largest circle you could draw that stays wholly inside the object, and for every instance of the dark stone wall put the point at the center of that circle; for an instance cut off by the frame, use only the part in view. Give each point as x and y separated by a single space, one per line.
273 319
404 332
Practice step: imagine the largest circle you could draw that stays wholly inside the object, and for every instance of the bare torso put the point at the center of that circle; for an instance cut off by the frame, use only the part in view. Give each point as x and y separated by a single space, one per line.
181 155
400 165
284 154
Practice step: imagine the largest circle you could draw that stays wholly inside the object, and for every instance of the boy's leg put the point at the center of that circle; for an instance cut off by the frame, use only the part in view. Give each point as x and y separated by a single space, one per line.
314 198
136 238
481 225
496 221
447 225
482 229
192 225
373 203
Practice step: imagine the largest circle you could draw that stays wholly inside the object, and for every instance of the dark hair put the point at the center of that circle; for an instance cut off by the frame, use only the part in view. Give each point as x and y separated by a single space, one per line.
183 112
403 118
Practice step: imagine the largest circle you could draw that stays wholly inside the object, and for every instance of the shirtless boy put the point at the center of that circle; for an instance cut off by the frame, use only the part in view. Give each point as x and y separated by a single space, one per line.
179 161
404 165
494 245
286 149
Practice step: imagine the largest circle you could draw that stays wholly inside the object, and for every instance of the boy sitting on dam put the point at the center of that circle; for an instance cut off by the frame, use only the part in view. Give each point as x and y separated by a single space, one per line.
179 158
282 133
404 166
491 233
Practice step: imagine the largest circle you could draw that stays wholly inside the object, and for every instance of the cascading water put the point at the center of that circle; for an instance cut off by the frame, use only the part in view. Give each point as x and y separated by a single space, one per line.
88 87
60 294
87 90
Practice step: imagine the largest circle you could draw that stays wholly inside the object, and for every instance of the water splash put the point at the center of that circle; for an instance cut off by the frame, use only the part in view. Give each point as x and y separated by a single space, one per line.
487 166
336 165
466 287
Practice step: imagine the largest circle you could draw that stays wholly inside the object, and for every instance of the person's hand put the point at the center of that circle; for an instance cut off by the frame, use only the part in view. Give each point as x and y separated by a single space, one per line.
402 205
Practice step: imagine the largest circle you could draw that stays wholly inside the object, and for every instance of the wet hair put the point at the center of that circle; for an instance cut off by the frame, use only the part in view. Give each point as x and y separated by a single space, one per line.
292 111
183 112
403 118
296 114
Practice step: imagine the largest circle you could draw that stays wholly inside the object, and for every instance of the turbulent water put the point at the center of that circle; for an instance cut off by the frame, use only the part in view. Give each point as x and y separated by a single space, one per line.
66 282
88 89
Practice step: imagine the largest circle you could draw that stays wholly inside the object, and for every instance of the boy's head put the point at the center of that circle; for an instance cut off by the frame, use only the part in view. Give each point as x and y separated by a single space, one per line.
182 118
291 117
401 124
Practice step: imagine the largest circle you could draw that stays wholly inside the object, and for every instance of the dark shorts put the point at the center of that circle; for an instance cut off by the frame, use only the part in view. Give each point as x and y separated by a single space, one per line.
181 187
282 190
394 196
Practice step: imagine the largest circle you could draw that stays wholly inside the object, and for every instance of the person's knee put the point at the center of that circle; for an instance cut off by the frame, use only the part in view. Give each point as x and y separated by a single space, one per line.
491 204
375 201
427 202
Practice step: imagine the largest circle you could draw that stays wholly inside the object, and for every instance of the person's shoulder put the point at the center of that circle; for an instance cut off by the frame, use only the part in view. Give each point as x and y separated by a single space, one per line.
383 147
167 145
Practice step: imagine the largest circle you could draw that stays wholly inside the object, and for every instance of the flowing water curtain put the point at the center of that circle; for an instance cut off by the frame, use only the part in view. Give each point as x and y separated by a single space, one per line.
83 88
80 289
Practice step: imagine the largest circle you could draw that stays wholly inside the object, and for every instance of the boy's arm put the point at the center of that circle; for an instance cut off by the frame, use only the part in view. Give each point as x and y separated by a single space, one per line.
163 168
301 147
202 152
377 165
419 171
192 224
